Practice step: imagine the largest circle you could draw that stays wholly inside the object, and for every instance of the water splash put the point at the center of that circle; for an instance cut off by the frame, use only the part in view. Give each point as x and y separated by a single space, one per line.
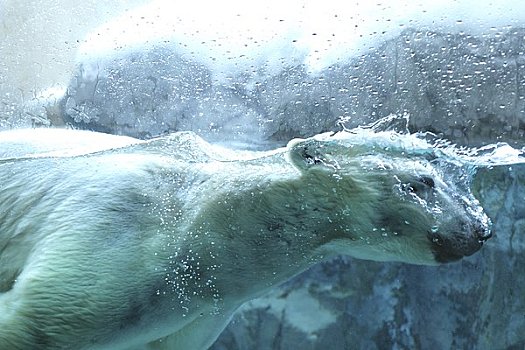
488 156
499 154
392 122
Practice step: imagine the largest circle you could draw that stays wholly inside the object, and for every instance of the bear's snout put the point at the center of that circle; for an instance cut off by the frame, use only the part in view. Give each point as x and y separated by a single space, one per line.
482 232
452 246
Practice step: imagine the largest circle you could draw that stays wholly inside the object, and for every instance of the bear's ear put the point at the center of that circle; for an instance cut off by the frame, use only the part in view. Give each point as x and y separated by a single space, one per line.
305 154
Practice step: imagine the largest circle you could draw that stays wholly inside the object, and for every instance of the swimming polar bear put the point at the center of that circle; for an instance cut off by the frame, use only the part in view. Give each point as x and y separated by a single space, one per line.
107 242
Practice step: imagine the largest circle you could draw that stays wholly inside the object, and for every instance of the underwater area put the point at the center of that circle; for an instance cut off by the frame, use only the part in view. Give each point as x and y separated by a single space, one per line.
255 76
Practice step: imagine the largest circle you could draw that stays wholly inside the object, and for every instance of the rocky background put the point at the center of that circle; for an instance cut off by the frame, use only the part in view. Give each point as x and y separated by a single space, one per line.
467 88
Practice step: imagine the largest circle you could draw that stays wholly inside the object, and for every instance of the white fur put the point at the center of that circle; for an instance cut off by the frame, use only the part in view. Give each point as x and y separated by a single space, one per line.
135 245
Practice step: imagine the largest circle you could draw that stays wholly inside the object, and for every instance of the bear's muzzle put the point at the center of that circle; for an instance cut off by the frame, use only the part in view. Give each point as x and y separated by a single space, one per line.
458 244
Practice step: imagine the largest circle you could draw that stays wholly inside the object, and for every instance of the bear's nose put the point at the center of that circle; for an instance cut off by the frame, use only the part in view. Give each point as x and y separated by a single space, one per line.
482 232
452 246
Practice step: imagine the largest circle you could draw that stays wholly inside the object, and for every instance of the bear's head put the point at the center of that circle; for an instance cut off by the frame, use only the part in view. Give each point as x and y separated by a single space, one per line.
390 197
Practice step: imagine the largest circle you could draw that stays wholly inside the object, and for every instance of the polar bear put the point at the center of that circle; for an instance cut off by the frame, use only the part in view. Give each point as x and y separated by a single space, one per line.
125 244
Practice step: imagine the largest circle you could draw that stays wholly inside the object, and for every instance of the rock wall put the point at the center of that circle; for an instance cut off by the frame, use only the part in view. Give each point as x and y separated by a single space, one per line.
466 88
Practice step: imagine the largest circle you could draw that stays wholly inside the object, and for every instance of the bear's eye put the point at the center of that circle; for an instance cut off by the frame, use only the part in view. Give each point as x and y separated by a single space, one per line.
422 184
427 180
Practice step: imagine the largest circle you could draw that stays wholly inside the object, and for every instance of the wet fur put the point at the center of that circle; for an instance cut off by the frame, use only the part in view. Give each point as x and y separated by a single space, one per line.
153 245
